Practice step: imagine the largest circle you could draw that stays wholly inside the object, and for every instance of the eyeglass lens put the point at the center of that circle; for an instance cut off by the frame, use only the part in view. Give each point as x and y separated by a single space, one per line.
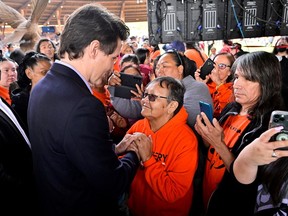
151 97
222 66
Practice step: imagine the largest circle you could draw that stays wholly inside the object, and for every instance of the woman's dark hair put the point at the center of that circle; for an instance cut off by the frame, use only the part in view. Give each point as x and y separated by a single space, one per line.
189 66
156 46
264 68
103 26
231 60
129 58
142 54
155 62
46 40
30 60
278 48
131 66
175 87
194 45
17 55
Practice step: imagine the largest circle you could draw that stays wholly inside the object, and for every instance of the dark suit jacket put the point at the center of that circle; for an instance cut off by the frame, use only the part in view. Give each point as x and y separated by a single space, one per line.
17 185
76 169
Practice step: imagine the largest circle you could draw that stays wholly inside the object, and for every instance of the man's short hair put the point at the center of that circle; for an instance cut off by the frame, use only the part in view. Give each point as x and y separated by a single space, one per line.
91 22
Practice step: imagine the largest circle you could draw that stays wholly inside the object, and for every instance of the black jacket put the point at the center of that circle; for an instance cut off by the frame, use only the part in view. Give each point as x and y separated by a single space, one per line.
232 197
76 169
17 184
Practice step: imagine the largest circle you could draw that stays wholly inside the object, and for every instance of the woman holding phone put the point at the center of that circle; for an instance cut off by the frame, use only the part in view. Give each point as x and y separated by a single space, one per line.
257 92
219 80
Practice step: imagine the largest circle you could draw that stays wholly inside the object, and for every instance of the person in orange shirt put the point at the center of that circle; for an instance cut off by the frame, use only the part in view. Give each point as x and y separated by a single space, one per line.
8 75
219 81
257 92
194 53
126 48
154 53
163 186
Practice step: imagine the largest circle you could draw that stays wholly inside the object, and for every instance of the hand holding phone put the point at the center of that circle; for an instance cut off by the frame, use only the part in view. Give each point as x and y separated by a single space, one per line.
207 109
206 68
128 83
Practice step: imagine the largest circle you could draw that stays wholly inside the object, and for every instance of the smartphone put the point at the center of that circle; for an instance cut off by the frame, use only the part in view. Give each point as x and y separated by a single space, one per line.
279 118
131 80
207 109
206 68
128 83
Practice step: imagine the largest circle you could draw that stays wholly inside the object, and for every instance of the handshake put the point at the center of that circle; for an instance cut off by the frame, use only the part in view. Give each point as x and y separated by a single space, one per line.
137 142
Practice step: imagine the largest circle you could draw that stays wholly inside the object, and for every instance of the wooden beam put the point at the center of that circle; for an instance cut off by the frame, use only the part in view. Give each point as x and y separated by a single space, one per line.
23 6
53 11
122 11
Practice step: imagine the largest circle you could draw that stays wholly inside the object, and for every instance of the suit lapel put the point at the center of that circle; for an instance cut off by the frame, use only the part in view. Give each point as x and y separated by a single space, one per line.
17 117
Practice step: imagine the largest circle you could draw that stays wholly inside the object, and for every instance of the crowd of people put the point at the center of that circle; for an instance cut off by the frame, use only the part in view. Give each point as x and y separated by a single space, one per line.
71 146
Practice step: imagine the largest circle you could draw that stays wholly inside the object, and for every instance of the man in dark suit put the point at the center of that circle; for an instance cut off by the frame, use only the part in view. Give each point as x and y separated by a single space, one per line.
77 171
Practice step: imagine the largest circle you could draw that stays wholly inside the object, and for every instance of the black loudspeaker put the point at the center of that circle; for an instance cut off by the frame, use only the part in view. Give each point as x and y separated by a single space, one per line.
254 20
246 18
213 20
273 18
173 25
284 23
155 20
194 20
234 19
205 20
166 20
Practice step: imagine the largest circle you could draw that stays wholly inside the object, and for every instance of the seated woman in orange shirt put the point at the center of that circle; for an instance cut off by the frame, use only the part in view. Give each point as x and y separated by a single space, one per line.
219 81
164 183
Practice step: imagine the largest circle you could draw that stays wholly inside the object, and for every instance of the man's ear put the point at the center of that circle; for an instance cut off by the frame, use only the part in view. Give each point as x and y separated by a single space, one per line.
94 48
172 106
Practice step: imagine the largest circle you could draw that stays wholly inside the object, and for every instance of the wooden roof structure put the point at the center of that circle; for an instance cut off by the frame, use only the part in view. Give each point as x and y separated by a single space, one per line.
57 10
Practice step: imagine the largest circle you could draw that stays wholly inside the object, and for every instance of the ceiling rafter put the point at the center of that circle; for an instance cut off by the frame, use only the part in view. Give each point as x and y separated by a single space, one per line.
129 10
54 11
122 11
24 5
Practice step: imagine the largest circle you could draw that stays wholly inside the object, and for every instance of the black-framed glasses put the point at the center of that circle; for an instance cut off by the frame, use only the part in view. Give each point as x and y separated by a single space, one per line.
222 66
152 97
177 54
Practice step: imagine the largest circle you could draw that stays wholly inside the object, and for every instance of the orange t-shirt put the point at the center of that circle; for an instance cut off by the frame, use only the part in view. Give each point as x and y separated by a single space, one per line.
192 54
104 97
215 168
116 66
221 96
4 93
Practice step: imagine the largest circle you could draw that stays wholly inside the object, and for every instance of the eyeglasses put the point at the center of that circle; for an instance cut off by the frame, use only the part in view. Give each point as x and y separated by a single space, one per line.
222 66
177 54
152 97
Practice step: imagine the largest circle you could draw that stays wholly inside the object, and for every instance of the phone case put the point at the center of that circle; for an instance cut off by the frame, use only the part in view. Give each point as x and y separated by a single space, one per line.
130 80
207 109
279 118
128 83
206 68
